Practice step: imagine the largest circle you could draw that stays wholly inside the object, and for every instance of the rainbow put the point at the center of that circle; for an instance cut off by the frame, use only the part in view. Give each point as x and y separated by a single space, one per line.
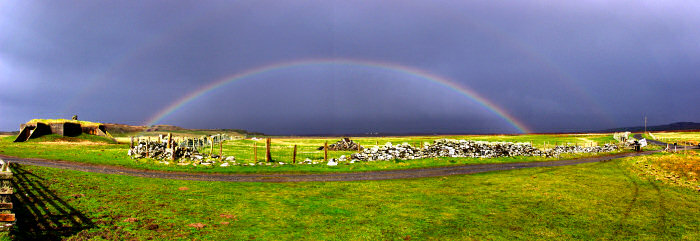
471 94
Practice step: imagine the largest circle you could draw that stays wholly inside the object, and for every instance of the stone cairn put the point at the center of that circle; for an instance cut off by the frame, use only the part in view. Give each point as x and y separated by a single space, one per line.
185 152
344 145
465 148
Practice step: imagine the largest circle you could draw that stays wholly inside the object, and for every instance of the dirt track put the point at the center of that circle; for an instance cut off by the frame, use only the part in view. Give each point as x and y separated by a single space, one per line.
355 176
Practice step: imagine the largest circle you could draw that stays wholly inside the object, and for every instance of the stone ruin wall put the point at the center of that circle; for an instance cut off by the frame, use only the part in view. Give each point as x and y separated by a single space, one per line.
167 150
466 148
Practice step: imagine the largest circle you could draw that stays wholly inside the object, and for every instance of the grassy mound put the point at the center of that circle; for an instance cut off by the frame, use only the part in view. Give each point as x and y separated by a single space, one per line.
57 121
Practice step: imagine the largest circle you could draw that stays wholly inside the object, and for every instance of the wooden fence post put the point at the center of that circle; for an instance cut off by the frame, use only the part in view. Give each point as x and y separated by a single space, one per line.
170 146
268 156
132 143
294 155
221 149
211 147
170 140
325 151
255 151
147 141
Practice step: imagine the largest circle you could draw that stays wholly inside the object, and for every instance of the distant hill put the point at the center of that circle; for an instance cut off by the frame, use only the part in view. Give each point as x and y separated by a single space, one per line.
121 129
669 127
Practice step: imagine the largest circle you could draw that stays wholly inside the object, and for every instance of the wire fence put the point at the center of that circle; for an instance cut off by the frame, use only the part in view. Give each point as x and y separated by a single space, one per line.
296 150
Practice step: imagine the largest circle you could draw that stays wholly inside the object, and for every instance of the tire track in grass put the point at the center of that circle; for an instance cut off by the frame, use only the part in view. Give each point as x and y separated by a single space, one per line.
635 196
662 208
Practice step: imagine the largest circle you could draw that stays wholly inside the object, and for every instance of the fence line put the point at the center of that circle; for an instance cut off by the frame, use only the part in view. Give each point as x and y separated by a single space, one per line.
246 150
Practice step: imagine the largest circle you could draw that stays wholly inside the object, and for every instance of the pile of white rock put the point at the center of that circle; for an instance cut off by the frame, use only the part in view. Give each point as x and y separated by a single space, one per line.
557 150
482 149
344 144
388 152
465 148
180 155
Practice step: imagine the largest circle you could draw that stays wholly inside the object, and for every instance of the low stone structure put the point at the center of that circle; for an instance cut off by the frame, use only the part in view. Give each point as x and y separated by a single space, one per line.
176 153
465 148
36 129
344 144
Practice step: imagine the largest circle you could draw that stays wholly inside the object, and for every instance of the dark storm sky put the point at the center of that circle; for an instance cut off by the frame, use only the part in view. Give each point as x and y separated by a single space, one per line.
552 65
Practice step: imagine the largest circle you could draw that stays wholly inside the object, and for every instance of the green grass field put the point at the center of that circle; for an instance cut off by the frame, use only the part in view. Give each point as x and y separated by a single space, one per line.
681 137
95 150
606 200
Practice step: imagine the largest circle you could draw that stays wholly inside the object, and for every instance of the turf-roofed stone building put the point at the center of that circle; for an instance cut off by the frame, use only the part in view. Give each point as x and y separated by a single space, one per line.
34 129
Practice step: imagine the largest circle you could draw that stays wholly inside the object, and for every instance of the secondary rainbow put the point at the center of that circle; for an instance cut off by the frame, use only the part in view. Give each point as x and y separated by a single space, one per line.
518 125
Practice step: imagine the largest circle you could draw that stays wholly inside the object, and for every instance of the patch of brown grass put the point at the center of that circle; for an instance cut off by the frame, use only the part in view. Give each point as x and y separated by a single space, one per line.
681 169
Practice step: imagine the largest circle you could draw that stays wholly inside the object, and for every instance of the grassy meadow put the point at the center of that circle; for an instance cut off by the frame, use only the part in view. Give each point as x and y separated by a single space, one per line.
96 150
606 200
680 137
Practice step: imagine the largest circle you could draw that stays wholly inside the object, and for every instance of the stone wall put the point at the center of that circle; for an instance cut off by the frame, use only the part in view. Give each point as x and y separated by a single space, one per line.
176 154
466 148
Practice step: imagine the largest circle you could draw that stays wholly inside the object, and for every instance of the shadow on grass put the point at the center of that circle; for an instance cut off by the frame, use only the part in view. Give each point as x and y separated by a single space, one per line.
41 214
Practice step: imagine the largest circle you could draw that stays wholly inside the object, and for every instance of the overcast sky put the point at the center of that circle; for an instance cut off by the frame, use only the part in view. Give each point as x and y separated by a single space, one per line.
552 65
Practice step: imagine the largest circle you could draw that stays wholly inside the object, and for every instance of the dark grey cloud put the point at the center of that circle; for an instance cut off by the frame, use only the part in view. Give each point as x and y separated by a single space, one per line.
556 66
